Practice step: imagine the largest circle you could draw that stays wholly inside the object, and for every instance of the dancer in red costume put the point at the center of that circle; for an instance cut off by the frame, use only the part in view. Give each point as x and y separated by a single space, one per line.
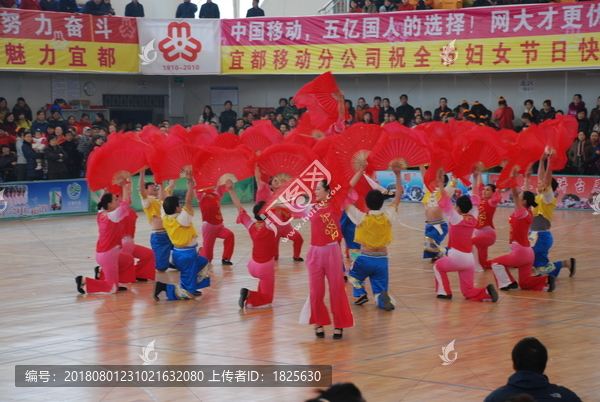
521 255
485 232
111 212
463 220
263 193
212 225
262 263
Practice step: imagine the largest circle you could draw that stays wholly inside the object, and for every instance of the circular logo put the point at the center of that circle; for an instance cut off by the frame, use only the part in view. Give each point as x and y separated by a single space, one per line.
74 191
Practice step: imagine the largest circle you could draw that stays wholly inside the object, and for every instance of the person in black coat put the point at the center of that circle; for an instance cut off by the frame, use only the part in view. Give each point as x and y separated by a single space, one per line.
227 117
68 6
134 9
73 157
95 7
30 155
255 11
405 110
55 158
209 10
186 10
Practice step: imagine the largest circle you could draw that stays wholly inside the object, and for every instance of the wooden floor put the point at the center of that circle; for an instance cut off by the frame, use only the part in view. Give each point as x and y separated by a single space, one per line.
390 356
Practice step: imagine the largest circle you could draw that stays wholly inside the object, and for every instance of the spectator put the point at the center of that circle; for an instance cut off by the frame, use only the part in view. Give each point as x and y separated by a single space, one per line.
427 117
56 120
418 120
73 157
94 7
8 3
405 6
31 5
50 5
134 9
278 120
503 116
55 158
392 117
405 110
547 111
8 164
22 107
7 139
4 110
49 131
283 128
387 7
209 10
113 129
576 105
186 10
527 120
533 112
60 135
227 117
385 108
354 8
83 123
386 119
529 358
207 116
71 122
290 110
424 5
595 161
481 3
31 157
361 108
240 124
339 392
97 141
255 11
580 154
439 113
23 122
583 122
10 125
282 104
350 109
370 8
86 139
69 6
21 161
101 121
109 8
376 109
368 118
595 115
292 123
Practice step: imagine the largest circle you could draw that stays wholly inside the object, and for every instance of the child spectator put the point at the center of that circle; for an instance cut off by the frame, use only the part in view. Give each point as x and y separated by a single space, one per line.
427 116
55 158
39 144
583 122
369 7
375 109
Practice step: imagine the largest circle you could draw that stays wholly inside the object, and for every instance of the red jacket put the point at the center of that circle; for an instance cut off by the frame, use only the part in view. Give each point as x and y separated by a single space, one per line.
30 5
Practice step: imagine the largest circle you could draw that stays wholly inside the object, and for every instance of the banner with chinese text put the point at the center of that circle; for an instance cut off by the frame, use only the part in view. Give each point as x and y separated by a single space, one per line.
33 40
524 37
181 47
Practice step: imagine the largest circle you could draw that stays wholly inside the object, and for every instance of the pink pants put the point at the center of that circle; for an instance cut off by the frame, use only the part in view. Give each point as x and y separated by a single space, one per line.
325 261
521 258
210 234
145 268
484 239
109 261
266 287
464 264
296 237
126 269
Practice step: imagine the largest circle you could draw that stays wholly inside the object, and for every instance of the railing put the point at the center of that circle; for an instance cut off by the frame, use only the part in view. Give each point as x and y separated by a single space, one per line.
335 7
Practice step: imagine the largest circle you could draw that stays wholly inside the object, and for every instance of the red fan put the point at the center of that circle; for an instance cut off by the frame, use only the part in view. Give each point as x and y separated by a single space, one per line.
317 96
150 134
398 144
203 135
526 151
291 159
560 134
172 155
441 157
227 141
478 147
123 155
266 128
353 146
322 147
216 165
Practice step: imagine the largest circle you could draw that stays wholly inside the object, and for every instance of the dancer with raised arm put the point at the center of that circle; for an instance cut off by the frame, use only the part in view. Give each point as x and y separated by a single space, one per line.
485 232
209 202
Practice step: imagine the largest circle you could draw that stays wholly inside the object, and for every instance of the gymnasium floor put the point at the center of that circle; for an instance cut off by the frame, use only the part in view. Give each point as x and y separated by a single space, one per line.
390 356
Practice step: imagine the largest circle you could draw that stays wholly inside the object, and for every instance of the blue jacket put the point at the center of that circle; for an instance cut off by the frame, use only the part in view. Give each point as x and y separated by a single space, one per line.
52 5
536 385
186 10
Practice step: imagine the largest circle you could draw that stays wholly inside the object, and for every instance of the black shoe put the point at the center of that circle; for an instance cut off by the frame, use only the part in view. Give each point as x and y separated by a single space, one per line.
122 288
158 288
141 280
97 272
226 262
513 285
197 293
361 300
320 332
551 283
492 292
387 302
573 268
338 333
299 259
345 278
244 293
447 297
79 282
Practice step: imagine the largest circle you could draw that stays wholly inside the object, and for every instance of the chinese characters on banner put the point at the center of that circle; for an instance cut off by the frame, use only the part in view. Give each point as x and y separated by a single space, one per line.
528 37
33 40
180 47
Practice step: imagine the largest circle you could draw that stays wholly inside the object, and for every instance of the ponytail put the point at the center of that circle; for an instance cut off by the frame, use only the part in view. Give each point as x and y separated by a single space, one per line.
105 200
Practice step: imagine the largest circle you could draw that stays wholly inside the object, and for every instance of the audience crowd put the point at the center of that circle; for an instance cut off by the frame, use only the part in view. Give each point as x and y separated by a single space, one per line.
49 146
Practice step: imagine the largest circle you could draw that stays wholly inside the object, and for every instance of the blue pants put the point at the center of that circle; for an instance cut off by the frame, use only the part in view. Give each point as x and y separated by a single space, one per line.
193 271
542 249
373 266
348 230
162 247
433 238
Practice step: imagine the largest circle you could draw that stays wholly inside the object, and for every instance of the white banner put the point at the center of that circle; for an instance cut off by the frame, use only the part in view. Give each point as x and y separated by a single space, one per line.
181 47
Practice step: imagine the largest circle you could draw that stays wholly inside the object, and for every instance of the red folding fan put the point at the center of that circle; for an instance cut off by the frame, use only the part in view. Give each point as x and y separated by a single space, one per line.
123 155
171 155
398 144
353 146
322 147
202 135
261 135
227 141
216 165
559 135
317 97
291 159
478 147
524 153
